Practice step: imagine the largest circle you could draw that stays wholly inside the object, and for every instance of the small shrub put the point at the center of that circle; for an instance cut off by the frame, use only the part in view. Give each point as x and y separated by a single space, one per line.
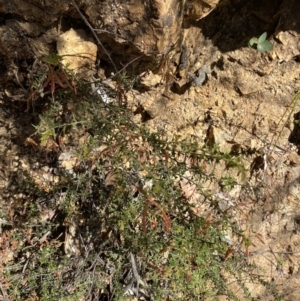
144 221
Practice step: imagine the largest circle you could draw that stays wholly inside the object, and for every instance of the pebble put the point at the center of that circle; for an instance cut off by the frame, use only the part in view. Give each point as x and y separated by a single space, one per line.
36 165
47 176
45 168
20 196
24 164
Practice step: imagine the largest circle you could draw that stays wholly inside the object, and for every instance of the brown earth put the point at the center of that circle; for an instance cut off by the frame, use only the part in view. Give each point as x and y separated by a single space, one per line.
245 103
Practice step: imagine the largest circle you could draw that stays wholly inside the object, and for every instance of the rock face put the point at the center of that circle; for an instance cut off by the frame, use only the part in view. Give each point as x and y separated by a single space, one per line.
149 27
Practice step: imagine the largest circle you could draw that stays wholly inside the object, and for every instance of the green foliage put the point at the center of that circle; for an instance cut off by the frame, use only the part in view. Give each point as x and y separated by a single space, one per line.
132 192
52 59
263 45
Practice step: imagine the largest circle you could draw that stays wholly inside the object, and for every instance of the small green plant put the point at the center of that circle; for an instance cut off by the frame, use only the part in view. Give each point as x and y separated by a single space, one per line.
263 45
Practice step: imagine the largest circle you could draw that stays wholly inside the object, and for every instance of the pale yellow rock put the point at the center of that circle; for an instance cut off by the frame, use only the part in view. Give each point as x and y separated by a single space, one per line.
197 10
294 158
78 53
148 79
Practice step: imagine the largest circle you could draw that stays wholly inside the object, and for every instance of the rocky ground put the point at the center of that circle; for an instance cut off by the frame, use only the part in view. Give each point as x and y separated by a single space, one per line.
209 87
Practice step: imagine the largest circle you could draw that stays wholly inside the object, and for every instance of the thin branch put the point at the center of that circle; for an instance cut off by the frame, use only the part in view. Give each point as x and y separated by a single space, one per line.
94 34
126 66
4 298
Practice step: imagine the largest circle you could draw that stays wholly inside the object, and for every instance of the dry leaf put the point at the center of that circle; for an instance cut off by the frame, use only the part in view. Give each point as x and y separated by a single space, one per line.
29 141
111 178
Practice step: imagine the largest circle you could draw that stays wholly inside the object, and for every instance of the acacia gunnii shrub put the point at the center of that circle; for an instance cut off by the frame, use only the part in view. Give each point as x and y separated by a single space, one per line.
131 217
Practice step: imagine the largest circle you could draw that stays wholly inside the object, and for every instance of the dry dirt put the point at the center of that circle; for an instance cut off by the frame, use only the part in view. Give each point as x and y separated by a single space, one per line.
245 103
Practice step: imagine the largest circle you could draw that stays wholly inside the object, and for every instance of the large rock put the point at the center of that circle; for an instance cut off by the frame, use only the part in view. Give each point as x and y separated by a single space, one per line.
78 53
149 27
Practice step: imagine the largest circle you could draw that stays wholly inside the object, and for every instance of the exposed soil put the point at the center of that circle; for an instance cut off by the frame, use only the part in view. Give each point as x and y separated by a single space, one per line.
244 104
